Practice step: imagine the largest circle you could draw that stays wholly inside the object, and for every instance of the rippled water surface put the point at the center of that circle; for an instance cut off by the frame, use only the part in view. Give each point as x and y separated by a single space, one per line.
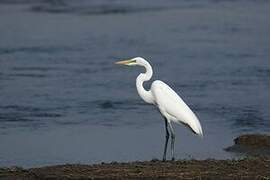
64 101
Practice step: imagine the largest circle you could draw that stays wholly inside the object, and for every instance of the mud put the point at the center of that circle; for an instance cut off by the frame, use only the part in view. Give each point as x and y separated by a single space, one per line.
251 145
251 167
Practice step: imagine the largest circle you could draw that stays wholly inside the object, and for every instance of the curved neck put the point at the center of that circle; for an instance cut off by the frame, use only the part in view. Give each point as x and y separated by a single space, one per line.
144 94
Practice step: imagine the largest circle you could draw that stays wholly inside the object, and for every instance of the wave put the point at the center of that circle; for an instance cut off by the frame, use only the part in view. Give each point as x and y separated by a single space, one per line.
34 49
103 7
16 113
245 118
20 1
93 9
109 104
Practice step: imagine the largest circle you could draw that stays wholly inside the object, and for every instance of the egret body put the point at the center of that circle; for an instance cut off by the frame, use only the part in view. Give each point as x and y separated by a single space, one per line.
170 105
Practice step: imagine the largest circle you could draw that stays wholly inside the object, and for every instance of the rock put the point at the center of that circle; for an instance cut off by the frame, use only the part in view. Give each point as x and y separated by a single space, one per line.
251 145
254 140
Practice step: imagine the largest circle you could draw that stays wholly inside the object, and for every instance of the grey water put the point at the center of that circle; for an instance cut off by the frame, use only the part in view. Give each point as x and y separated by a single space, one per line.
62 100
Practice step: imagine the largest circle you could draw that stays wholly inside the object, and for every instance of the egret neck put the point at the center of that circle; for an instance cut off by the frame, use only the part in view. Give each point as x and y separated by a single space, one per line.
144 94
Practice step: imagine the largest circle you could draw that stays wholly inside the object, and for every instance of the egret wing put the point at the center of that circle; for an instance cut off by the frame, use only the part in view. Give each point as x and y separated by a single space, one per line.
170 102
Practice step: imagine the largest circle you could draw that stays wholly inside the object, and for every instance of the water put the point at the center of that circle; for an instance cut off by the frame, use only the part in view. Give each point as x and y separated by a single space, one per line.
64 101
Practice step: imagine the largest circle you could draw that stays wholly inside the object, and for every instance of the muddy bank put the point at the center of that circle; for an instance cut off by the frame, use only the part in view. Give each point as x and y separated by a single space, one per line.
249 168
251 145
255 167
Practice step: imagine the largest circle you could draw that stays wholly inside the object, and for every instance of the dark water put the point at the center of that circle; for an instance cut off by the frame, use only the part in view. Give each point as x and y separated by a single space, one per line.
64 101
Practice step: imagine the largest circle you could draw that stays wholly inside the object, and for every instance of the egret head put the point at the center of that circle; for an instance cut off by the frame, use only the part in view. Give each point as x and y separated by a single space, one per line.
132 62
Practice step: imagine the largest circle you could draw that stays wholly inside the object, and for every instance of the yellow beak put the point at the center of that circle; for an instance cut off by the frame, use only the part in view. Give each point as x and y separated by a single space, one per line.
123 62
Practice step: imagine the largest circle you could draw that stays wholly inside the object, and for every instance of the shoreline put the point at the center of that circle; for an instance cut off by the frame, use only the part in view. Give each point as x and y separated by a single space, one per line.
256 165
247 168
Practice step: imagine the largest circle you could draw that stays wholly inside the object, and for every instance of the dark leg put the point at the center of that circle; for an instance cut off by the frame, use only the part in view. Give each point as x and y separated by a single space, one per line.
166 141
172 140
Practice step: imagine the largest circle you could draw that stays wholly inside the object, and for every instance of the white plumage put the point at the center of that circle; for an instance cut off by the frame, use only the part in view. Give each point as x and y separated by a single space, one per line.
173 107
170 104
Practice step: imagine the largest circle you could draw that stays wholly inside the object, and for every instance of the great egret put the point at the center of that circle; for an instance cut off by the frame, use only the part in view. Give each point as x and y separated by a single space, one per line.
170 105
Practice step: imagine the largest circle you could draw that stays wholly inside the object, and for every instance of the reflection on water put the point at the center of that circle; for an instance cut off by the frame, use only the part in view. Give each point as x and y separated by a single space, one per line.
64 101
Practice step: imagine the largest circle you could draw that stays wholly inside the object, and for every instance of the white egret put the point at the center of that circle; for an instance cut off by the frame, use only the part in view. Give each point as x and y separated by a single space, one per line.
170 105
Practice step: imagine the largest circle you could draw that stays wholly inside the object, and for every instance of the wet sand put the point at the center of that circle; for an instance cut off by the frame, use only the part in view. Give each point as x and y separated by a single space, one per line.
251 167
